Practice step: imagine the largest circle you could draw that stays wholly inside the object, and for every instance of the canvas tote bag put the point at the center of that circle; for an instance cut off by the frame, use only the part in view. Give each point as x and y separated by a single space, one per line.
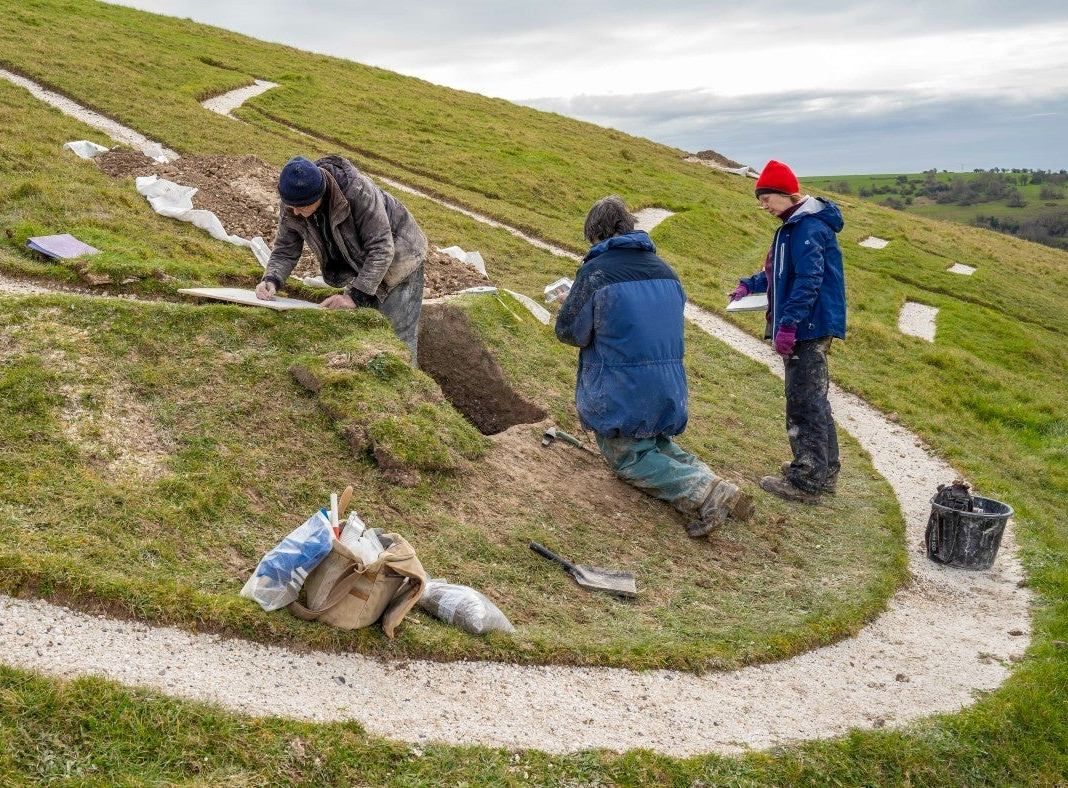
345 593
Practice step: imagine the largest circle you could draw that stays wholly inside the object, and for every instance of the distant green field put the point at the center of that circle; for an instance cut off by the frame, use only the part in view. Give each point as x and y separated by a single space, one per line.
1027 209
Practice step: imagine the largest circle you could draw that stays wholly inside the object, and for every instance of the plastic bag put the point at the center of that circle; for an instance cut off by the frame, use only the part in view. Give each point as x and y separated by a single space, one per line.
361 540
464 608
281 572
84 149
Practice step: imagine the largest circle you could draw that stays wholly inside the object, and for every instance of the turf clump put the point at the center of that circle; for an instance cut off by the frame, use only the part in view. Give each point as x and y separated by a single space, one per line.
385 409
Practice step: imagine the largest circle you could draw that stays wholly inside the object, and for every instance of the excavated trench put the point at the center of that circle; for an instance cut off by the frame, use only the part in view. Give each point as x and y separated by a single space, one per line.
453 354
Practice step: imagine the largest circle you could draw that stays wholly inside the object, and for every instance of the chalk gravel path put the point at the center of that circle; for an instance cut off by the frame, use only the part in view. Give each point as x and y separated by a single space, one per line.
945 636
226 103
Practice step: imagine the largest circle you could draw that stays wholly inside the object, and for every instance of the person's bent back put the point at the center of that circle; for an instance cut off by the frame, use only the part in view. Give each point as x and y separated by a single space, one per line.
625 312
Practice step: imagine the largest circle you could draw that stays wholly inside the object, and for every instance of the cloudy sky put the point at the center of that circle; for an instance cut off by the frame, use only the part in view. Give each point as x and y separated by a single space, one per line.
832 87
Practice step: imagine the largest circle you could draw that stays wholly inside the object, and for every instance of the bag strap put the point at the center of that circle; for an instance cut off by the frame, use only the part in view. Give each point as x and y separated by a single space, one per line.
345 585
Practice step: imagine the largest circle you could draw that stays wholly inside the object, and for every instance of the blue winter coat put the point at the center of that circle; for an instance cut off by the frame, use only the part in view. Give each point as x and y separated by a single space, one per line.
809 287
625 312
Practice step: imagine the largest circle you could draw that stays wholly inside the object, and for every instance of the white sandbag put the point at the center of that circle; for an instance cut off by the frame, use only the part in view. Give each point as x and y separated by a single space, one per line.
463 607
455 251
157 153
474 259
84 149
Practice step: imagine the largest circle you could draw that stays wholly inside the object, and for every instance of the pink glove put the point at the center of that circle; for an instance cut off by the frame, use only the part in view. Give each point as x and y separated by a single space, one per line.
785 338
741 291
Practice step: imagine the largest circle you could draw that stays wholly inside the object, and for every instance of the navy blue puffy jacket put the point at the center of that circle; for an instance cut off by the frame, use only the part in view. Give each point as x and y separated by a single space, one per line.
809 287
625 312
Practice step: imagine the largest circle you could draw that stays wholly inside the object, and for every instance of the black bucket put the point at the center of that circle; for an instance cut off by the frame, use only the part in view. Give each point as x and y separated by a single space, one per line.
965 531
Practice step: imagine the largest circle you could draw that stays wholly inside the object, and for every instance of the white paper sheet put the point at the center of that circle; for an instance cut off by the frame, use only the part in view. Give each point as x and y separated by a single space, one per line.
238 295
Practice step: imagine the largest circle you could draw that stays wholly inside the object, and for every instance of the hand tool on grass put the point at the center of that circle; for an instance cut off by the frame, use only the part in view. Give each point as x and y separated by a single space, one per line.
611 581
557 434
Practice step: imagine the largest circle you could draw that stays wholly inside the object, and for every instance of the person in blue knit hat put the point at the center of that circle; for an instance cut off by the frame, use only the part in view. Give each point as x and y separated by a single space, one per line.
366 241
625 312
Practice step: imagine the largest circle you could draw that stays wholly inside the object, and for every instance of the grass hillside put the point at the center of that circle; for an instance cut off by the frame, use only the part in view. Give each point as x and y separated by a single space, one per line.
988 395
217 493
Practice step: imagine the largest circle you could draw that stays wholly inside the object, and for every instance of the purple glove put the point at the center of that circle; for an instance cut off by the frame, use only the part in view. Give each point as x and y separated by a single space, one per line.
741 291
785 338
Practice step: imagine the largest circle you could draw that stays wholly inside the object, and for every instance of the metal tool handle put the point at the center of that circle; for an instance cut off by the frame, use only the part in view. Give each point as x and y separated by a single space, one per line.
545 552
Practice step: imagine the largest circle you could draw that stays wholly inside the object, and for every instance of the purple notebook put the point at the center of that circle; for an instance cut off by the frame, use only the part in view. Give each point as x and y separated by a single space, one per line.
62 246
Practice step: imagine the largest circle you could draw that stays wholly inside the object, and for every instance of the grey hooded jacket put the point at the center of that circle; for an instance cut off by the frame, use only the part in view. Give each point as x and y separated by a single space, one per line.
379 243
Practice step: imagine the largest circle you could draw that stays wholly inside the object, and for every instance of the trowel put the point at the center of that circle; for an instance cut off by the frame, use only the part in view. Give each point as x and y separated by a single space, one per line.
611 581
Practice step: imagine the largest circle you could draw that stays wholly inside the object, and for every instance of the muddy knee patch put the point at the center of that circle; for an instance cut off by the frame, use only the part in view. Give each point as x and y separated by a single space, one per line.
453 354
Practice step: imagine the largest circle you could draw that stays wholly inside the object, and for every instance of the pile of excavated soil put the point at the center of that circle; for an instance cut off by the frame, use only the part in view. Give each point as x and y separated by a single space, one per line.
241 191
445 274
718 158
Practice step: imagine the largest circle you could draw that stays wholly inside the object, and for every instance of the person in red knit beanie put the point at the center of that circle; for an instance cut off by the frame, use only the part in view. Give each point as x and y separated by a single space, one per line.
805 283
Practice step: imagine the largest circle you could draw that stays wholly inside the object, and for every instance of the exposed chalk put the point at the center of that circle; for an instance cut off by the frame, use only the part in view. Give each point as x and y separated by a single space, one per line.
648 218
871 242
961 268
745 171
227 102
917 320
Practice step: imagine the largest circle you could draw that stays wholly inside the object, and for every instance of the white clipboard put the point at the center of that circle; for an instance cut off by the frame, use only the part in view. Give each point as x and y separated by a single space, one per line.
239 295
757 302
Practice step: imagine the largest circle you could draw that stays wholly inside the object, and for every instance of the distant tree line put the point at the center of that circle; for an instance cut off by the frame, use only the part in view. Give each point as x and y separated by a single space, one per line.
1050 229
983 186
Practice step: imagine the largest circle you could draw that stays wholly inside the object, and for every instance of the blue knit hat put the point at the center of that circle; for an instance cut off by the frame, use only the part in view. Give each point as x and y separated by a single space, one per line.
301 182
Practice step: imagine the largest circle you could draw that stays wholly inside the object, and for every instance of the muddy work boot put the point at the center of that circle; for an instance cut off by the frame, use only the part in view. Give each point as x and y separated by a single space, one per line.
830 485
724 501
784 488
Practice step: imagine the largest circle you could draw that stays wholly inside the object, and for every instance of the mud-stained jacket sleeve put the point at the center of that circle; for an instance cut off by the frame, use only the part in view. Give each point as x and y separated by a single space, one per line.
806 255
374 233
288 244
574 324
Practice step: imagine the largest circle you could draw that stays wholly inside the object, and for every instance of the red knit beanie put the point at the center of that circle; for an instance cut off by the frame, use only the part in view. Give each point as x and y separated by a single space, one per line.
777 178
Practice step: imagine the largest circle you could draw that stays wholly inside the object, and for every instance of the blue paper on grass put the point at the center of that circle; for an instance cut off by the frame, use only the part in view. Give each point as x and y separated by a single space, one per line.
282 571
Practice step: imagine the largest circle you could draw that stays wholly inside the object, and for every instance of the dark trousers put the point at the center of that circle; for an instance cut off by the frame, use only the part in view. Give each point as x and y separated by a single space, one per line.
809 424
402 307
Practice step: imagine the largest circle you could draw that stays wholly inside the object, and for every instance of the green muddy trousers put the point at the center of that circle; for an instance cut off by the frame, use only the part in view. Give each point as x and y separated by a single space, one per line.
661 468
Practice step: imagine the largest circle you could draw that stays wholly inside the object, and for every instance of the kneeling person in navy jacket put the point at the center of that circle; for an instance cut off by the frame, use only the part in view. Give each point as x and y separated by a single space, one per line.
625 312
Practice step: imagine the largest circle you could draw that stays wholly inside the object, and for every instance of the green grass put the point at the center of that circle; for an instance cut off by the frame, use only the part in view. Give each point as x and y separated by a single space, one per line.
154 451
988 395
90 732
229 502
